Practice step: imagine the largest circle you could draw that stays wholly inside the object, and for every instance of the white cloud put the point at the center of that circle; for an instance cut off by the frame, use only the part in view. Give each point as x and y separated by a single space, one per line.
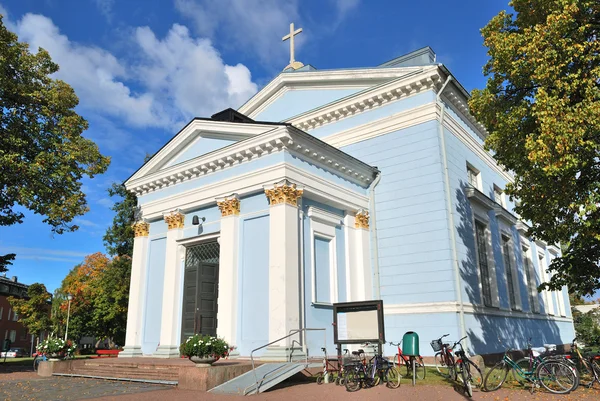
85 223
345 6
105 8
30 253
165 82
255 27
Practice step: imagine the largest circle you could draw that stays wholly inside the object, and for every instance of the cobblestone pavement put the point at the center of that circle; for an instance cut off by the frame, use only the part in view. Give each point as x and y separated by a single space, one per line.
314 392
67 388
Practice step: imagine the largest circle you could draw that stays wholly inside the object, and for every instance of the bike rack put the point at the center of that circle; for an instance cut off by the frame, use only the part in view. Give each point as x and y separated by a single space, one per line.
291 333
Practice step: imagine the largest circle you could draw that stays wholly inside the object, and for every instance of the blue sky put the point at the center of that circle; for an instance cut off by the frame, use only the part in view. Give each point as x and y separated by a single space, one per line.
143 68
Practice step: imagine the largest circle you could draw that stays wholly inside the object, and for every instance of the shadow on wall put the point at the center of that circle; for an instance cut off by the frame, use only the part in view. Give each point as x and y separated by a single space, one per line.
484 329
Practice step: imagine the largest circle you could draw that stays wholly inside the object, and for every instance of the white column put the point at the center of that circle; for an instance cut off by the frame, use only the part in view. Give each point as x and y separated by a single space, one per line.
228 269
172 289
137 286
363 256
284 268
354 281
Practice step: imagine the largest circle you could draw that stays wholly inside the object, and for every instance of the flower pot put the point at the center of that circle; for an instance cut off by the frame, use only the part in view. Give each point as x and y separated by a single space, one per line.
203 361
54 356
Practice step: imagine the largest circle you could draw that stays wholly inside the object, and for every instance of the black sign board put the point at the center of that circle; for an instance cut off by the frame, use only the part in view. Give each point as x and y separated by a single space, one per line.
358 322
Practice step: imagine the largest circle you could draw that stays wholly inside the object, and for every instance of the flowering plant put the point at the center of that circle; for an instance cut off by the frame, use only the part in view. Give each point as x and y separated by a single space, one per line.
204 346
53 345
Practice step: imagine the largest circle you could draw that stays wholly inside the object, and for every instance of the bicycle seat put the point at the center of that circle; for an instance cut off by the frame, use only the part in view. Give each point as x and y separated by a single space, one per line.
537 351
550 347
323 349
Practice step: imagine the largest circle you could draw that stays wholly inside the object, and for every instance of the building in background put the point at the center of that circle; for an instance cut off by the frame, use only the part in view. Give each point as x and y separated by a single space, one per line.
10 327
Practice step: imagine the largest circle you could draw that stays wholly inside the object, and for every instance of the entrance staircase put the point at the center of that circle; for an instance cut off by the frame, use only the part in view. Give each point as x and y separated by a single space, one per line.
118 369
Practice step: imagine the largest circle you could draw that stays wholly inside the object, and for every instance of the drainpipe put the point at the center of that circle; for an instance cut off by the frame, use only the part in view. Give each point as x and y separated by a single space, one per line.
373 225
302 278
449 209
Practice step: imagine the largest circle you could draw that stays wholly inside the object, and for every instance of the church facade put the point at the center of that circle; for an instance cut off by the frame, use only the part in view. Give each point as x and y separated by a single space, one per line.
333 186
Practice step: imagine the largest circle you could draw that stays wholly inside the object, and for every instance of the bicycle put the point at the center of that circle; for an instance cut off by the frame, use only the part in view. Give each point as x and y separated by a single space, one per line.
444 360
330 370
363 374
554 375
588 367
407 361
469 372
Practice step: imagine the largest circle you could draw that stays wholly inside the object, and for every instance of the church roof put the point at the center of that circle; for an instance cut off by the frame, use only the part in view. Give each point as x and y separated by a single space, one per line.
248 140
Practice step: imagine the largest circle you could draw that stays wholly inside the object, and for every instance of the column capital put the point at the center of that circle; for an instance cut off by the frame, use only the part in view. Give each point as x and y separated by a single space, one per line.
362 219
283 191
229 205
174 219
141 228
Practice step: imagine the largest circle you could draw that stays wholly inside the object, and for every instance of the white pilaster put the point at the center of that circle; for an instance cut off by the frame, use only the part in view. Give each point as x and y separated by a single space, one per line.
228 269
133 336
353 280
172 295
363 257
284 268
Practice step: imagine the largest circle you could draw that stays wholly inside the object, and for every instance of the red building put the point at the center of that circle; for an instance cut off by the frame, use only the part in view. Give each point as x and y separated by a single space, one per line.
9 326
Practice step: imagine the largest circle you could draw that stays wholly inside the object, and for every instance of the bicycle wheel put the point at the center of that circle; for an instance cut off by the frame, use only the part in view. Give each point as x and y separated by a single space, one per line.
556 377
352 380
526 367
36 363
320 378
494 379
476 375
392 377
421 370
595 366
440 365
466 379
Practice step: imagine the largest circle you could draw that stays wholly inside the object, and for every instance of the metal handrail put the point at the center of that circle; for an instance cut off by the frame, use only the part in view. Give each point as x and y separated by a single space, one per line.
257 383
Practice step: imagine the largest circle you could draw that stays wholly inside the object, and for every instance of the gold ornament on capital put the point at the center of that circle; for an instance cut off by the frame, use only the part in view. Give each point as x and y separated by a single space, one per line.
141 229
284 193
229 206
362 219
174 220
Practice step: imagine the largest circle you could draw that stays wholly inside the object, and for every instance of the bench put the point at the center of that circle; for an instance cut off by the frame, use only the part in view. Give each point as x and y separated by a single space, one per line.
110 353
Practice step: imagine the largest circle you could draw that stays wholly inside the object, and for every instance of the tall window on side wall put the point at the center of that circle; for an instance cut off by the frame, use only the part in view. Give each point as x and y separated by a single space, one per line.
508 267
484 268
531 284
545 278
498 196
473 176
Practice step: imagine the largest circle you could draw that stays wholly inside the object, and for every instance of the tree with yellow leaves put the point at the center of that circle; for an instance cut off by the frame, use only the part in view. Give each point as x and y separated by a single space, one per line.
541 107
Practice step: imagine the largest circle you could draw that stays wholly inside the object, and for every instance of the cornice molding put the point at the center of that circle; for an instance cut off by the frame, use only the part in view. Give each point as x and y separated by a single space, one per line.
400 88
477 196
503 214
282 138
323 216
196 129
320 79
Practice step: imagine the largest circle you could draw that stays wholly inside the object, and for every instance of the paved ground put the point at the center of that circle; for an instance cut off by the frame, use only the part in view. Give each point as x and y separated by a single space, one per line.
65 389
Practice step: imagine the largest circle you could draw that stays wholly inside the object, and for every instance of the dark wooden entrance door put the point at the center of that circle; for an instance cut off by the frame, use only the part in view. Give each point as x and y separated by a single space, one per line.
200 290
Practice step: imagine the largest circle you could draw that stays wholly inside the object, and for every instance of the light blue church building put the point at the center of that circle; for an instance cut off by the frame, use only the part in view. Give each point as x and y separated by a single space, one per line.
331 186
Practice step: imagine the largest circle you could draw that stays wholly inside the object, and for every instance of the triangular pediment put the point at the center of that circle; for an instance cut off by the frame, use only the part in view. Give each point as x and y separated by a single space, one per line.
198 138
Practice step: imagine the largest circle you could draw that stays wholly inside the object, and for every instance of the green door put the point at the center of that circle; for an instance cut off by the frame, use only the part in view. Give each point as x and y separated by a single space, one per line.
200 290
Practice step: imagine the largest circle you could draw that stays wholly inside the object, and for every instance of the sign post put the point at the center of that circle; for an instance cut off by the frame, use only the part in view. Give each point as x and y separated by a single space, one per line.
357 323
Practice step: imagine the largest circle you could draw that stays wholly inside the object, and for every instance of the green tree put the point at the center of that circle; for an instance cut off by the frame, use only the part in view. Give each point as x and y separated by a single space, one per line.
118 239
541 107
43 155
587 326
33 311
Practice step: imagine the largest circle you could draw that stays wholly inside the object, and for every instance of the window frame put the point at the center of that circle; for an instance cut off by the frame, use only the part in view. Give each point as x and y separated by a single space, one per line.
323 226
531 283
507 244
546 295
499 193
489 262
471 170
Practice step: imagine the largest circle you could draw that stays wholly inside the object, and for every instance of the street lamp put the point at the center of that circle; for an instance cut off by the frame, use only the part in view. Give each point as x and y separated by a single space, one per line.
70 298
